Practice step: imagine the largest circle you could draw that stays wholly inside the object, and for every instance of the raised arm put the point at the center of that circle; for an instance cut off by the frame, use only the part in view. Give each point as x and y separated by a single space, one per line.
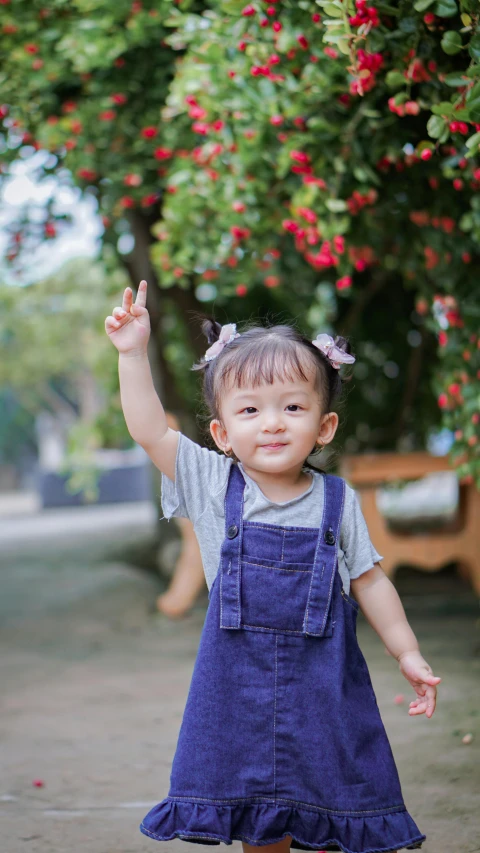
383 609
129 330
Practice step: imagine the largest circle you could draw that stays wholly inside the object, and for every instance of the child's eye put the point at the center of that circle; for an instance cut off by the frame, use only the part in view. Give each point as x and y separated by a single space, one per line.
249 410
293 408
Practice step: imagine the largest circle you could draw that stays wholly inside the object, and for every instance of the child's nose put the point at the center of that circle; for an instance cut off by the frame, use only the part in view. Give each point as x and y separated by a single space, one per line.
272 422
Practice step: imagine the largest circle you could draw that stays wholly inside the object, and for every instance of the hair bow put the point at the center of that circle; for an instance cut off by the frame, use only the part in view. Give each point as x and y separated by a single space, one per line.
228 334
335 355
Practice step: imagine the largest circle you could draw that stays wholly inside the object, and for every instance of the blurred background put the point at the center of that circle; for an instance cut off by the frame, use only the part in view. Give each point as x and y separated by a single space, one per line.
312 162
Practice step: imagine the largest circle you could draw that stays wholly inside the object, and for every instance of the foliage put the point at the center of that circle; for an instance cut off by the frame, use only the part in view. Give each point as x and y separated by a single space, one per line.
54 356
339 143
315 159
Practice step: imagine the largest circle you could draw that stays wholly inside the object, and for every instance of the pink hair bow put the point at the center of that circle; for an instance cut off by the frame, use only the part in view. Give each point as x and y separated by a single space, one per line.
335 355
227 335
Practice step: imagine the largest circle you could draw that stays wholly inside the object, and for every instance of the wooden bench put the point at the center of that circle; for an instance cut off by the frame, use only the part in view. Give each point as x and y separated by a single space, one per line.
457 541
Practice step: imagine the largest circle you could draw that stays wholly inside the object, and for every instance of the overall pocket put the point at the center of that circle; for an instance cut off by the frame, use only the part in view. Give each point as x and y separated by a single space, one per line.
274 596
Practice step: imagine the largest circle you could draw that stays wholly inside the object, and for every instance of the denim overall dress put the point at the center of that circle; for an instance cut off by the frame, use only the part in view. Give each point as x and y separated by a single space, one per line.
281 733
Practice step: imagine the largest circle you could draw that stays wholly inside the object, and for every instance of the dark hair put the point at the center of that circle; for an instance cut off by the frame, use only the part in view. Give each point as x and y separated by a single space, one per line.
265 353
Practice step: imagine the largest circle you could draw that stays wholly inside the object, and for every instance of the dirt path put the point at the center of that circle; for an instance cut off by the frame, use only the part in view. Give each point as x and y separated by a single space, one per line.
94 685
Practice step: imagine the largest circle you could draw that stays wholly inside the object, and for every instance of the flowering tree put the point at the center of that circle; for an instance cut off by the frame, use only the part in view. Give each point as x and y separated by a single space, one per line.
316 158
337 159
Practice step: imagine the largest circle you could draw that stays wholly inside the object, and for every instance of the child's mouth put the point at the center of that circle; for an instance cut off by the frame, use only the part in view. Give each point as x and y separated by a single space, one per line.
273 446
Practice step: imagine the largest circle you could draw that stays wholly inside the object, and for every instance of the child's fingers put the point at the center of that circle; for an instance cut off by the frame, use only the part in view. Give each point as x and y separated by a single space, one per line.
127 298
141 299
111 325
119 313
424 703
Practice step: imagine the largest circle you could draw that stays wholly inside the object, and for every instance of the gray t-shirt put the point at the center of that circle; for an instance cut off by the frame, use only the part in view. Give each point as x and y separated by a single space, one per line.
201 478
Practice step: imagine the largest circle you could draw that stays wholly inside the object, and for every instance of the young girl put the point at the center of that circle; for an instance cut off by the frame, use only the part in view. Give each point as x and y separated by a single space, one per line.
281 744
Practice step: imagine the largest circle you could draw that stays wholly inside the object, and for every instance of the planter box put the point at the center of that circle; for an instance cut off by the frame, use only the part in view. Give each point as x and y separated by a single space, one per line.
126 476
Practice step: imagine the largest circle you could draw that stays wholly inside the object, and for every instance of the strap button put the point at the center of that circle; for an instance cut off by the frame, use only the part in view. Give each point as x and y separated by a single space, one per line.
330 537
232 531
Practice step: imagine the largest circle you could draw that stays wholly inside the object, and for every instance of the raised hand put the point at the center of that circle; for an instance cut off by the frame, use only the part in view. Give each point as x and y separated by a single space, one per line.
417 671
129 326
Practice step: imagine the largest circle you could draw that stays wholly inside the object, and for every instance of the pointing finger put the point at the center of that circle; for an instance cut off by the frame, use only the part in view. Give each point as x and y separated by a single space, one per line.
141 299
127 299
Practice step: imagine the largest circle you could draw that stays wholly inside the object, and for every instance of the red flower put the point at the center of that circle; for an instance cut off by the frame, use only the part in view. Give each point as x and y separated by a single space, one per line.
200 127
31 48
127 201
119 98
107 115
148 200
302 41
442 401
239 233
344 283
307 214
162 153
272 281
241 290
87 174
442 339
299 157
248 11
50 230
132 180
149 132
197 112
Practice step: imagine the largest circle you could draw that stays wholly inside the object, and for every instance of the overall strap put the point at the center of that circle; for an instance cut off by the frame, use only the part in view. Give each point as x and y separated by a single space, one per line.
231 553
325 561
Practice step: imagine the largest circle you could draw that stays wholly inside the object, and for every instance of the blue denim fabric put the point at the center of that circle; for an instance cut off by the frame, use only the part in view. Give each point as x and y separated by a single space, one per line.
281 733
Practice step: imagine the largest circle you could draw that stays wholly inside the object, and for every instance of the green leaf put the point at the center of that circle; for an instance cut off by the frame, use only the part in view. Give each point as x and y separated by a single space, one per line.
344 46
474 47
422 5
333 11
455 79
446 8
444 108
436 126
466 222
473 141
394 79
473 109
474 93
336 205
408 25
451 42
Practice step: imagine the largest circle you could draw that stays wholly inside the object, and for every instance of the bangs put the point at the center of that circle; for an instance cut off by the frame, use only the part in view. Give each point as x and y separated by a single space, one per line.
264 360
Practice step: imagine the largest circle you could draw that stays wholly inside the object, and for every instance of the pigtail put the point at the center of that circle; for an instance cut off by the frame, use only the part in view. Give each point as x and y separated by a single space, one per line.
344 344
211 329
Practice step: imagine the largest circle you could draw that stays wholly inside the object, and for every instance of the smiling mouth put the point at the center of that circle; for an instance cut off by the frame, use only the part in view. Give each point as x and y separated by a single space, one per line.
274 445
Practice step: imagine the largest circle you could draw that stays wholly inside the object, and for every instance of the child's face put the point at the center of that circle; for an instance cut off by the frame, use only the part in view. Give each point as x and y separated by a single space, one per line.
272 428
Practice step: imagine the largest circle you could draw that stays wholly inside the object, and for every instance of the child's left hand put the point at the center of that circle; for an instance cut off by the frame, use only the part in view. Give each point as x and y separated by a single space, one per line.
420 675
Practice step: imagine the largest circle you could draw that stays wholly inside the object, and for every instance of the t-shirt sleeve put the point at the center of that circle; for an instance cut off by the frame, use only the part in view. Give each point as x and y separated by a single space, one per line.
200 474
359 552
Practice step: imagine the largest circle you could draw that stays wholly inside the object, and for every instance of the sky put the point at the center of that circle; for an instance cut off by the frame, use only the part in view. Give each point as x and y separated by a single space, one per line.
80 238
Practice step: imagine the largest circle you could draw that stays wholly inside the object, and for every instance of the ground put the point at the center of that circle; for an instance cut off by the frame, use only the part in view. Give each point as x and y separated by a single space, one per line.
94 684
